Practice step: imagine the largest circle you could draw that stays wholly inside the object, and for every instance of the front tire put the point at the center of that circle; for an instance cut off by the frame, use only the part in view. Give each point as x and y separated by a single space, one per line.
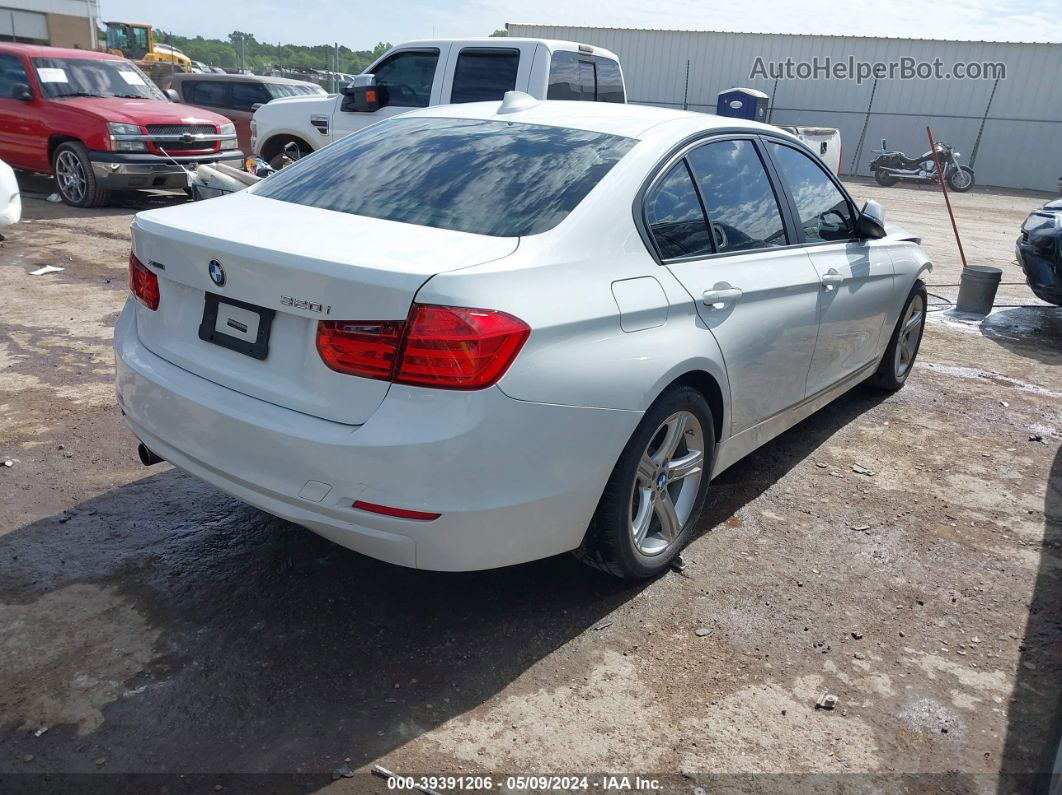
74 177
898 362
961 179
657 489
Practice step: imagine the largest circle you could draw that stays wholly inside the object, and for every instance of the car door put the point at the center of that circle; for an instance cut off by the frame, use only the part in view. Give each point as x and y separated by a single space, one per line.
721 229
856 275
405 80
22 139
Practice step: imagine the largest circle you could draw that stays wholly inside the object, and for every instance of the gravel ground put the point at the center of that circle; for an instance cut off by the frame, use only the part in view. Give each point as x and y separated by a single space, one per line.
155 627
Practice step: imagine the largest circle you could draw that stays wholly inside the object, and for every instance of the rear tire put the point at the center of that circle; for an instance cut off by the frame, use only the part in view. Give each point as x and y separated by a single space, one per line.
656 492
74 177
898 362
884 179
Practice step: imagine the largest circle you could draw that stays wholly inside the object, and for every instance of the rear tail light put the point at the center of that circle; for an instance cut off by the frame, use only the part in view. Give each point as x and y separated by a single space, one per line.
143 283
440 346
355 348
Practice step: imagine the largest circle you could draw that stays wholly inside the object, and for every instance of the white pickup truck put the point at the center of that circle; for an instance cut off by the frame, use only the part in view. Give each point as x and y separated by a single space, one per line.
438 72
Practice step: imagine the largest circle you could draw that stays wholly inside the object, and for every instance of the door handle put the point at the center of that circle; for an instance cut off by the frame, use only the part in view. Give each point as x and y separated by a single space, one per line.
831 279
719 297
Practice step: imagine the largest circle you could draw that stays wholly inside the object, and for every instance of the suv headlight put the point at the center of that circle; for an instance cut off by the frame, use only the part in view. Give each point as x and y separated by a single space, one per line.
117 130
228 133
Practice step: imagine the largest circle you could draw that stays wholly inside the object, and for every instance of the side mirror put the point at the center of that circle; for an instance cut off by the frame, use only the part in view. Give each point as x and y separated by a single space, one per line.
172 95
884 145
21 91
362 95
256 106
871 222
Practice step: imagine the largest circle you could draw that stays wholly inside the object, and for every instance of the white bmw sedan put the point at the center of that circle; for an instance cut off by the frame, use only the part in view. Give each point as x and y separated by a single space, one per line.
481 334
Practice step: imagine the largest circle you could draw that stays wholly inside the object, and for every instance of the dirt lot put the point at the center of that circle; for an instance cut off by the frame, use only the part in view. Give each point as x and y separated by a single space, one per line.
155 627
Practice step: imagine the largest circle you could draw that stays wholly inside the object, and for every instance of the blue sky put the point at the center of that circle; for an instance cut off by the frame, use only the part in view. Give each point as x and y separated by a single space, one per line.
360 24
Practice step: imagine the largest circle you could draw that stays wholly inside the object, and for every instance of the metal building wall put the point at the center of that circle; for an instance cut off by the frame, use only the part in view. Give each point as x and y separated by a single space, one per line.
1020 145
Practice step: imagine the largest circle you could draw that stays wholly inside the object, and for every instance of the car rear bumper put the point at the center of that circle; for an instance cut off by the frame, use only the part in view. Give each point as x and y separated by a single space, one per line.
120 171
513 481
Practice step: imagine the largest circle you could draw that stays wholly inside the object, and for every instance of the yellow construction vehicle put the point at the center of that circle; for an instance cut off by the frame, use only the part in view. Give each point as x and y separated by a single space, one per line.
136 41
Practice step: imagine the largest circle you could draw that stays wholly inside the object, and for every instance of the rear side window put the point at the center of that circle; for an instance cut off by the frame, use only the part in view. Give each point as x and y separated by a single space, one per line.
675 217
824 212
589 78
483 74
486 177
216 93
741 205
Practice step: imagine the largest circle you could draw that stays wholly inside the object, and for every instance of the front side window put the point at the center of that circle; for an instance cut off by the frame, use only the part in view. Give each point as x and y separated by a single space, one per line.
72 77
214 93
13 78
483 74
741 204
405 79
825 214
486 177
675 217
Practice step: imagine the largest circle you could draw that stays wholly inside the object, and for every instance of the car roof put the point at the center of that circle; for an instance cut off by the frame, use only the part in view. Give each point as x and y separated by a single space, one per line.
241 78
501 41
614 118
40 51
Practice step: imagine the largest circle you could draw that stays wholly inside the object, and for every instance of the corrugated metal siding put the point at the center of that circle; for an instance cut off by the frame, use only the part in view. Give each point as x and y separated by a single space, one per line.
1020 146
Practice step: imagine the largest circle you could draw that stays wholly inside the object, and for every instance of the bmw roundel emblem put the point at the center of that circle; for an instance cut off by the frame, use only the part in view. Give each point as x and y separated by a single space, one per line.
217 273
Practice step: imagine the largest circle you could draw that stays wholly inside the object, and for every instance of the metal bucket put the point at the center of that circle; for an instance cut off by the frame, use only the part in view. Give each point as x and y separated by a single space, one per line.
977 289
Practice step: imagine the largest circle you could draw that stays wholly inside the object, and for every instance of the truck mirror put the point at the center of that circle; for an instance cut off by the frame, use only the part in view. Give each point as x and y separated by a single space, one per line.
22 92
172 95
362 95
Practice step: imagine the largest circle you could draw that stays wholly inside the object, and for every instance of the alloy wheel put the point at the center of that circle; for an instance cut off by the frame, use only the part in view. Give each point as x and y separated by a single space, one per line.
70 175
910 336
666 483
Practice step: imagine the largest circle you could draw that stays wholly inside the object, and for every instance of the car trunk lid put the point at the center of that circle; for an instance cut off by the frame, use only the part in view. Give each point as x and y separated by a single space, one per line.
299 264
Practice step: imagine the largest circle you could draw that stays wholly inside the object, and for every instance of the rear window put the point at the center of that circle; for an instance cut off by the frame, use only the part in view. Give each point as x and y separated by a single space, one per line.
486 177
587 78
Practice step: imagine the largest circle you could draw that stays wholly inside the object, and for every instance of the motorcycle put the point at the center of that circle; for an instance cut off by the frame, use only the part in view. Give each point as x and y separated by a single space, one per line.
890 167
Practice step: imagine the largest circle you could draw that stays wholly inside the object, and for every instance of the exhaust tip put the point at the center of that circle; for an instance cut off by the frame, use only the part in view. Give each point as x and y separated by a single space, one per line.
147 458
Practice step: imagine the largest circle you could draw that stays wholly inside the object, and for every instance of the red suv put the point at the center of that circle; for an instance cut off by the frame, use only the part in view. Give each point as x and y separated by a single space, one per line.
97 123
